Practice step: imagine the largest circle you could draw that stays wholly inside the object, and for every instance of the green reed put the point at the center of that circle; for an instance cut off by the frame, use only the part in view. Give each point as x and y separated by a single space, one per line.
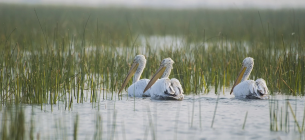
245 120
280 113
55 55
15 128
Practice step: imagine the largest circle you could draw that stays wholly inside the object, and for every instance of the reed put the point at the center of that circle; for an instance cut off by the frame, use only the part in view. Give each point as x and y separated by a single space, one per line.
51 55
215 110
244 124
75 128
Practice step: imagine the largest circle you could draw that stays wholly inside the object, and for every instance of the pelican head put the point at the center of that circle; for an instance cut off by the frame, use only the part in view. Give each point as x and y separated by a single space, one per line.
137 66
163 71
245 71
248 62
139 59
167 63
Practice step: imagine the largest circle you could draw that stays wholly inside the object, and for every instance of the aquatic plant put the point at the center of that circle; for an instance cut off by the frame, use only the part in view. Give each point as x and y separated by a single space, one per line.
50 54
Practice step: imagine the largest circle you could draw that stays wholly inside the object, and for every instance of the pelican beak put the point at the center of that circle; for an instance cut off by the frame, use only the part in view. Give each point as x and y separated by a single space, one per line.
131 72
157 75
240 76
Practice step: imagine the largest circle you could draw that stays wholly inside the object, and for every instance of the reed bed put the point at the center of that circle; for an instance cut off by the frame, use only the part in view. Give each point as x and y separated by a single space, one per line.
70 54
15 126
281 114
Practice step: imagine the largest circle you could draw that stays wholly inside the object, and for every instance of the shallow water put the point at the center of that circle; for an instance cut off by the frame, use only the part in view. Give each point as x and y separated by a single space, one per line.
144 118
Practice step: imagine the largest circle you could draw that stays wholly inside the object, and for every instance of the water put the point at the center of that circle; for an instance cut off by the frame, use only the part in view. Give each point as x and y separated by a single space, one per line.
144 118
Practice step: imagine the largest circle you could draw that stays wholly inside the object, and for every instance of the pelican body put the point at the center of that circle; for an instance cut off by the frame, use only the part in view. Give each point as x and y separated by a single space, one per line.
137 87
249 89
165 88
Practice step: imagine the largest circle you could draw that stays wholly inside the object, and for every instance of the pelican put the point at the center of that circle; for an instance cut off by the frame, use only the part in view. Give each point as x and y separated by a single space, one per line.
165 88
137 87
249 89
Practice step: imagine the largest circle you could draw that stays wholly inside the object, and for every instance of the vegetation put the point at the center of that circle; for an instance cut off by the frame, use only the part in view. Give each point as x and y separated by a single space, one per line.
71 53
75 54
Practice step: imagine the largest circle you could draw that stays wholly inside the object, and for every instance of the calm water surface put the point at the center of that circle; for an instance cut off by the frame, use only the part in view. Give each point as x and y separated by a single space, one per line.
144 118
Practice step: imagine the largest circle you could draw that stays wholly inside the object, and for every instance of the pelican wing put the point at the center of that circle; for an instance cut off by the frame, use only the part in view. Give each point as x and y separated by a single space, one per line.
261 89
251 89
261 86
167 89
253 92
177 86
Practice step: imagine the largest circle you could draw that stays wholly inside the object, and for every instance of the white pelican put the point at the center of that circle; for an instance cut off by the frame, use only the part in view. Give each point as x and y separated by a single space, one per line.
165 88
250 89
137 87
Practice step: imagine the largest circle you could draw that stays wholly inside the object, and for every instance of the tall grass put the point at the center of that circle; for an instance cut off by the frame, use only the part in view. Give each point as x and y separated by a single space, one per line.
280 113
73 53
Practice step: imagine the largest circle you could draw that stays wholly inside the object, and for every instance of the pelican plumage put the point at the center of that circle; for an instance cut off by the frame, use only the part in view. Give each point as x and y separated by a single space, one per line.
137 87
165 88
250 89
